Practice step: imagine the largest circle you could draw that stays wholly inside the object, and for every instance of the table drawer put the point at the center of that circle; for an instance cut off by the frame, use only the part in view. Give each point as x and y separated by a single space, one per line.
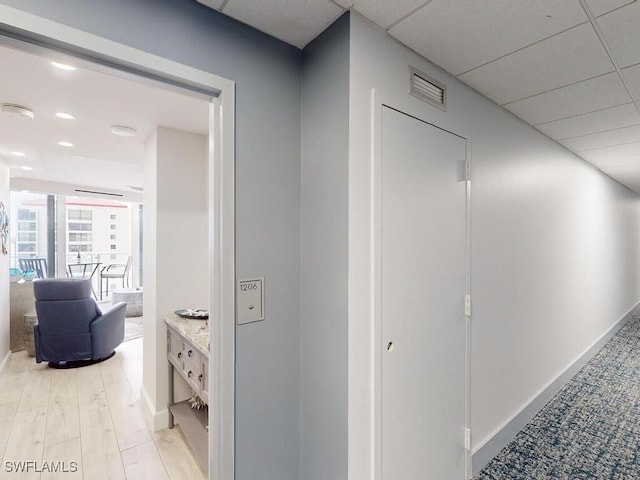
175 347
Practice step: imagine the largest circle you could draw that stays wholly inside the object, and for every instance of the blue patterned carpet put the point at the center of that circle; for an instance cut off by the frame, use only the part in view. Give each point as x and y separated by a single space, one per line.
590 429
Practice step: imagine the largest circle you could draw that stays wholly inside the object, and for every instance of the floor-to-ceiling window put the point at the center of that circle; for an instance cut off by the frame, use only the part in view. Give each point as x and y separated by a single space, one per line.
95 232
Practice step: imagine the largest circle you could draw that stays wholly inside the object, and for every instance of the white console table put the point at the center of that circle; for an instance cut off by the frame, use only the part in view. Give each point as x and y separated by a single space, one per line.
188 355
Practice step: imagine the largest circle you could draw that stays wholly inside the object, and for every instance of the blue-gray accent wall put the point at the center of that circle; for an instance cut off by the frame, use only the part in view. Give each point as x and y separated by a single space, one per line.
324 248
267 76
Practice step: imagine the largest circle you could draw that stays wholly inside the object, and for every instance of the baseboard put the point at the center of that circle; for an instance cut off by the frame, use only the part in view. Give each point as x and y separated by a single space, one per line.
483 454
155 420
5 361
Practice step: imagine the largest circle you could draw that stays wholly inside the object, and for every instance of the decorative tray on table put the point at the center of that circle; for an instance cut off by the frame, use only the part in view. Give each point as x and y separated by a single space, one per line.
193 313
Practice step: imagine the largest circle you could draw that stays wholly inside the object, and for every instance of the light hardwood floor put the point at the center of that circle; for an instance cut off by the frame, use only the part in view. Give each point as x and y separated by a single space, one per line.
88 418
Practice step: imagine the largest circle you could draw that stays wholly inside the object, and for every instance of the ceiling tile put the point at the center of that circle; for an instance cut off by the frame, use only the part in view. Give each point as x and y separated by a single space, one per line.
615 156
460 35
566 58
631 75
583 97
296 23
621 30
592 122
619 136
215 4
383 12
600 7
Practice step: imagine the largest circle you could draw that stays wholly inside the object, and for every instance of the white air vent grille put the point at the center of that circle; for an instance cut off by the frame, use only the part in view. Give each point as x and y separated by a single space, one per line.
427 89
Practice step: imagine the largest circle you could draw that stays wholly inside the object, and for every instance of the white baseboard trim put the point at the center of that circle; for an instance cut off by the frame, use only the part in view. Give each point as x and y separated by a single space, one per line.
5 361
486 450
155 420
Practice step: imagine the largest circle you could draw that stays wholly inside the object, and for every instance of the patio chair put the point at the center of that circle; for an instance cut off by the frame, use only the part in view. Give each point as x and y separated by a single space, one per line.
38 265
116 270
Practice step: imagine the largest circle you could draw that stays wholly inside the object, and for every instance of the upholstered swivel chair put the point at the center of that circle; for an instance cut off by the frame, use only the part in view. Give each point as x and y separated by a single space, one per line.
71 330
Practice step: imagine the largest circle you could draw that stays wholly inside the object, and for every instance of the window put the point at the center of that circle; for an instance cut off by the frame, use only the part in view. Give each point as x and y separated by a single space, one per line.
26 248
27 226
113 236
77 214
79 237
27 237
81 227
113 227
26 215
113 247
79 248
113 217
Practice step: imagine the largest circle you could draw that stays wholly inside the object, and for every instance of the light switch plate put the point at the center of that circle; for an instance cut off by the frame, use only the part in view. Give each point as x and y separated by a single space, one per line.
250 300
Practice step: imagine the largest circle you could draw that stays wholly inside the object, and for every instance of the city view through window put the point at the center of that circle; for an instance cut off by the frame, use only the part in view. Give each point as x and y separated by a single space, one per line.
70 231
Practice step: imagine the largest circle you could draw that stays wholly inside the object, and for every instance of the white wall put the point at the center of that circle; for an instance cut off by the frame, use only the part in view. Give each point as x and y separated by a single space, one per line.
554 244
4 271
176 265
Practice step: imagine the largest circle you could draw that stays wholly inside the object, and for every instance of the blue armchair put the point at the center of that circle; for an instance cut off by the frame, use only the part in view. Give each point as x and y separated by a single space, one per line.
71 329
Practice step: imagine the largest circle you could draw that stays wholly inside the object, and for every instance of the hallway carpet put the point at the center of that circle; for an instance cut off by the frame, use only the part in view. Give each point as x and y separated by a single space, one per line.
590 429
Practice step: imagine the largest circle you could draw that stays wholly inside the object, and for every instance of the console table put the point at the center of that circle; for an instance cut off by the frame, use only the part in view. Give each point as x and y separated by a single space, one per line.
188 355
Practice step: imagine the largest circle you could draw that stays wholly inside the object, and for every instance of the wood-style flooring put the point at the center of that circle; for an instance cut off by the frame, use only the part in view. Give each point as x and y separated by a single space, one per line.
86 423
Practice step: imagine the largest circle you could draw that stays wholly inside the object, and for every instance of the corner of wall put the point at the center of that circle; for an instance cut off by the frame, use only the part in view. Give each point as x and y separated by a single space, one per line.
4 271
156 420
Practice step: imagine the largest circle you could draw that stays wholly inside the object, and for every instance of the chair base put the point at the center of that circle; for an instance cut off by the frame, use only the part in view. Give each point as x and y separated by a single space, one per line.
63 364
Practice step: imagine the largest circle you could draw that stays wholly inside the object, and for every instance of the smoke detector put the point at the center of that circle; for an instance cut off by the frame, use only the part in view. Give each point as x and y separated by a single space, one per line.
17 109
123 131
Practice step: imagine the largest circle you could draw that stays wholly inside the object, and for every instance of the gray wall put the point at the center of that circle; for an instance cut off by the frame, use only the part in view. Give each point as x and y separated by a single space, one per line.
324 255
554 243
267 198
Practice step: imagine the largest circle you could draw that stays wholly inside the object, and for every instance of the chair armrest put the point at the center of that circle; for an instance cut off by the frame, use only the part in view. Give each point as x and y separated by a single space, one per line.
115 265
107 330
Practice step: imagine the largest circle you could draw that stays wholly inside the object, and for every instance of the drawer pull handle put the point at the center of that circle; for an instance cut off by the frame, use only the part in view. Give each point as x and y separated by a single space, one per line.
179 354
189 374
189 353
200 378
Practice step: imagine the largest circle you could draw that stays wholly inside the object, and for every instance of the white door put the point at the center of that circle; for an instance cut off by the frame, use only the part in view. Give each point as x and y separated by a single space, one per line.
423 290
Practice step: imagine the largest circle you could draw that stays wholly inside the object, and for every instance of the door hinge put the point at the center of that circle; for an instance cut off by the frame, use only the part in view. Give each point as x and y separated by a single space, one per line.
467 439
467 305
467 170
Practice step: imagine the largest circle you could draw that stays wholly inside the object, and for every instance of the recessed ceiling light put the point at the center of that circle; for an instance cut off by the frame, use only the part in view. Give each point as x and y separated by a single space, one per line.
66 116
17 109
123 131
26 167
63 66
65 144
18 154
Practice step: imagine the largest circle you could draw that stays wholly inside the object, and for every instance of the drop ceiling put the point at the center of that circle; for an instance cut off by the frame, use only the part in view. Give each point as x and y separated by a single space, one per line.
569 68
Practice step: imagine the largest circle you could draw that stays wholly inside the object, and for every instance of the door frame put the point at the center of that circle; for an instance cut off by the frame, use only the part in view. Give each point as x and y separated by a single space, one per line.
39 34
377 105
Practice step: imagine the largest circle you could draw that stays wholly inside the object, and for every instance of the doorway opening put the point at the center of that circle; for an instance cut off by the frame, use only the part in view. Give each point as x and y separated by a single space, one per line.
35 35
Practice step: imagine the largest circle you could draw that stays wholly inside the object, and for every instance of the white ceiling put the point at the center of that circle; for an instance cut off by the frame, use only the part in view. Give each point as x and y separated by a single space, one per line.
98 100
570 68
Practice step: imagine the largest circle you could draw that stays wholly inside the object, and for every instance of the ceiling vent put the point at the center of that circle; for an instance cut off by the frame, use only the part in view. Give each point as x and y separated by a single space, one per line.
99 193
427 89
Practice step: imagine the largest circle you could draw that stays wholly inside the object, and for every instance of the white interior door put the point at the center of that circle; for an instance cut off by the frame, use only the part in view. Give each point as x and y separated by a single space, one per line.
423 322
